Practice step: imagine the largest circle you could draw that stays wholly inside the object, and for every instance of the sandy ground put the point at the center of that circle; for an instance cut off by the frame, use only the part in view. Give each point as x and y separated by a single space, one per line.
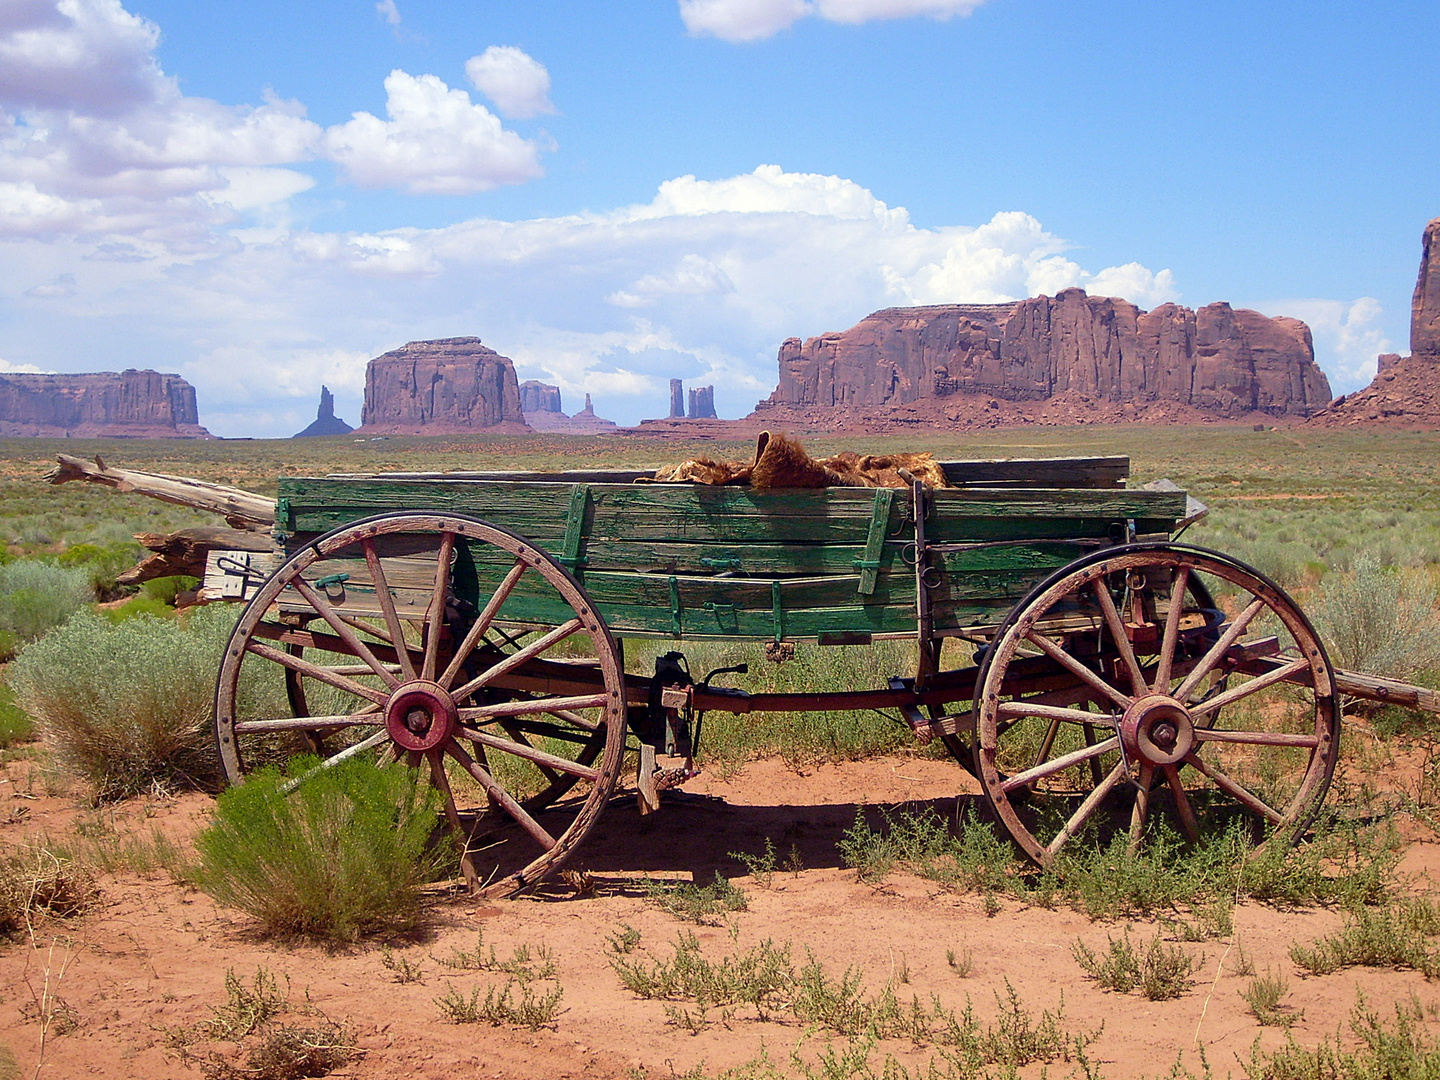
153 956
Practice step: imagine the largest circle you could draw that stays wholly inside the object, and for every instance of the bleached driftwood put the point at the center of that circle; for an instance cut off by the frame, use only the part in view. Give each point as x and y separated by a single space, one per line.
241 509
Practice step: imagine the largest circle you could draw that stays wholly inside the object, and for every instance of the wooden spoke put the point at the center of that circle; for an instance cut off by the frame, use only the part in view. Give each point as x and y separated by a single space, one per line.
483 621
452 818
515 659
530 753
1210 659
519 736
531 705
307 723
365 626
342 629
387 607
1183 810
435 616
1079 670
1253 686
1056 712
1048 742
1117 631
1256 738
316 672
551 731
1054 765
335 759
1171 638
1236 791
576 719
499 795
1304 725
1141 807
1093 800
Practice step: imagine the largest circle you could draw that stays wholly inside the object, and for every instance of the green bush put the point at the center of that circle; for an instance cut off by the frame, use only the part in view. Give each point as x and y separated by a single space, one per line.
36 597
125 706
103 563
1379 620
15 724
342 855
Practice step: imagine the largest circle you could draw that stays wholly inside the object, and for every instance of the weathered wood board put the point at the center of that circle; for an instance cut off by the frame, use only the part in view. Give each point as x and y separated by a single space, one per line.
693 560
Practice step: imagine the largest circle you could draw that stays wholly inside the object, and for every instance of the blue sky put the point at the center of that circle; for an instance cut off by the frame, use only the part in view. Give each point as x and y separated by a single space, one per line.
263 195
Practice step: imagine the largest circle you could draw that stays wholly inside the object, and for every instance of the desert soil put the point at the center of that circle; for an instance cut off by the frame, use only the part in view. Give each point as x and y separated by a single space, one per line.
152 956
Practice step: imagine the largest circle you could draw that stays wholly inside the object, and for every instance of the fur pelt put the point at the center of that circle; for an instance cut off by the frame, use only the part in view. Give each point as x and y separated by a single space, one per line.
781 462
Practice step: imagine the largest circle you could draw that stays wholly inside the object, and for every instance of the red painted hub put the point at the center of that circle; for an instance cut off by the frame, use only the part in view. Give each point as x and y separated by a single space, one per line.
1157 729
420 715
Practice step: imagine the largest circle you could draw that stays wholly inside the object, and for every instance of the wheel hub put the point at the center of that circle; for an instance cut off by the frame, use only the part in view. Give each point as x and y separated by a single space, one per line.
420 715
1157 729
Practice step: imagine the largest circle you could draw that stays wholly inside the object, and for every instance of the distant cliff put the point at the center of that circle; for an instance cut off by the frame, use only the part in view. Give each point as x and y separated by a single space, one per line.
544 412
444 387
1218 360
326 422
102 404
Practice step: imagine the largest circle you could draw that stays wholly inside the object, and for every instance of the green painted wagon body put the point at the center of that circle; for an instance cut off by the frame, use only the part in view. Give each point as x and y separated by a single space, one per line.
689 560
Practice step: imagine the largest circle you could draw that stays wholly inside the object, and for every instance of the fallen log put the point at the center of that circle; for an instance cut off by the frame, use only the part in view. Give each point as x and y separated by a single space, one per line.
241 509
187 551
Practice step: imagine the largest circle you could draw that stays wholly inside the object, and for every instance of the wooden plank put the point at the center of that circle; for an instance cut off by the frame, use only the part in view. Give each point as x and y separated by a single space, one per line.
654 512
869 561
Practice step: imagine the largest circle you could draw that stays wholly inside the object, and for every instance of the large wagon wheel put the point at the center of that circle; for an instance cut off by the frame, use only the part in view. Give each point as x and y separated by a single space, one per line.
364 642
1175 707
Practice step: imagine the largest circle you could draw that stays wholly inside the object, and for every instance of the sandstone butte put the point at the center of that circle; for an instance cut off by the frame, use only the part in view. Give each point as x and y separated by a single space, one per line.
1063 359
450 386
1406 389
103 404
545 412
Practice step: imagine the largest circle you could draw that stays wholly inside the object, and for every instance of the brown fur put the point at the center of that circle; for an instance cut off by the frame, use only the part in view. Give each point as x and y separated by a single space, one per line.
781 462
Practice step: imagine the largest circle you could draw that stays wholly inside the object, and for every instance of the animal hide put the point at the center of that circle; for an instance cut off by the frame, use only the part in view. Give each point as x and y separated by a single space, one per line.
781 462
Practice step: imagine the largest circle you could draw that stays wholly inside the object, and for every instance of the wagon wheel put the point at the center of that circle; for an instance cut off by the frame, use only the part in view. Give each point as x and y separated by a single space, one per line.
363 644
1176 709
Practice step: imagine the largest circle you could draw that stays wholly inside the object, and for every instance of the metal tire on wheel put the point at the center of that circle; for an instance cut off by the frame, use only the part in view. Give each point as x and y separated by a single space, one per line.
363 644
1180 711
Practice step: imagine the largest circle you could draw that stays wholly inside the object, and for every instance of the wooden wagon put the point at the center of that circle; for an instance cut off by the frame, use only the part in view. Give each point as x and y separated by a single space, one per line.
1094 676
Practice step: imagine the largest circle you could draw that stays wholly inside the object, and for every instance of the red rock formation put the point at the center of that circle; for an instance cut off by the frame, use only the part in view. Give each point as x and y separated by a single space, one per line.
539 397
1425 305
1406 389
445 387
326 422
1217 359
584 422
103 404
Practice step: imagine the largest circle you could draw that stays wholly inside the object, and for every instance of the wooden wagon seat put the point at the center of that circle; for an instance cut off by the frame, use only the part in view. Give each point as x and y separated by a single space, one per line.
781 462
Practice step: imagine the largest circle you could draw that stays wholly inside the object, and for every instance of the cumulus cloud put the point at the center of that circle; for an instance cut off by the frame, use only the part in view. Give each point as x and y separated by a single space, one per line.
95 139
1348 334
58 288
755 20
704 281
7 368
516 83
436 142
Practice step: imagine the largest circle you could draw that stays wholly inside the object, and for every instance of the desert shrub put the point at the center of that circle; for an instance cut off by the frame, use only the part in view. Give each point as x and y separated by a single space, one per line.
125 706
342 855
36 597
166 589
1379 620
15 723
103 563
34 881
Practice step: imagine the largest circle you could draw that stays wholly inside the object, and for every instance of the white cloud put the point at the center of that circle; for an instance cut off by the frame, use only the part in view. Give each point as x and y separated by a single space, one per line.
90 55
702 282
387 10
694 275
58 288
755 20
518 84
742 20
1348 334
7 368
436 142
